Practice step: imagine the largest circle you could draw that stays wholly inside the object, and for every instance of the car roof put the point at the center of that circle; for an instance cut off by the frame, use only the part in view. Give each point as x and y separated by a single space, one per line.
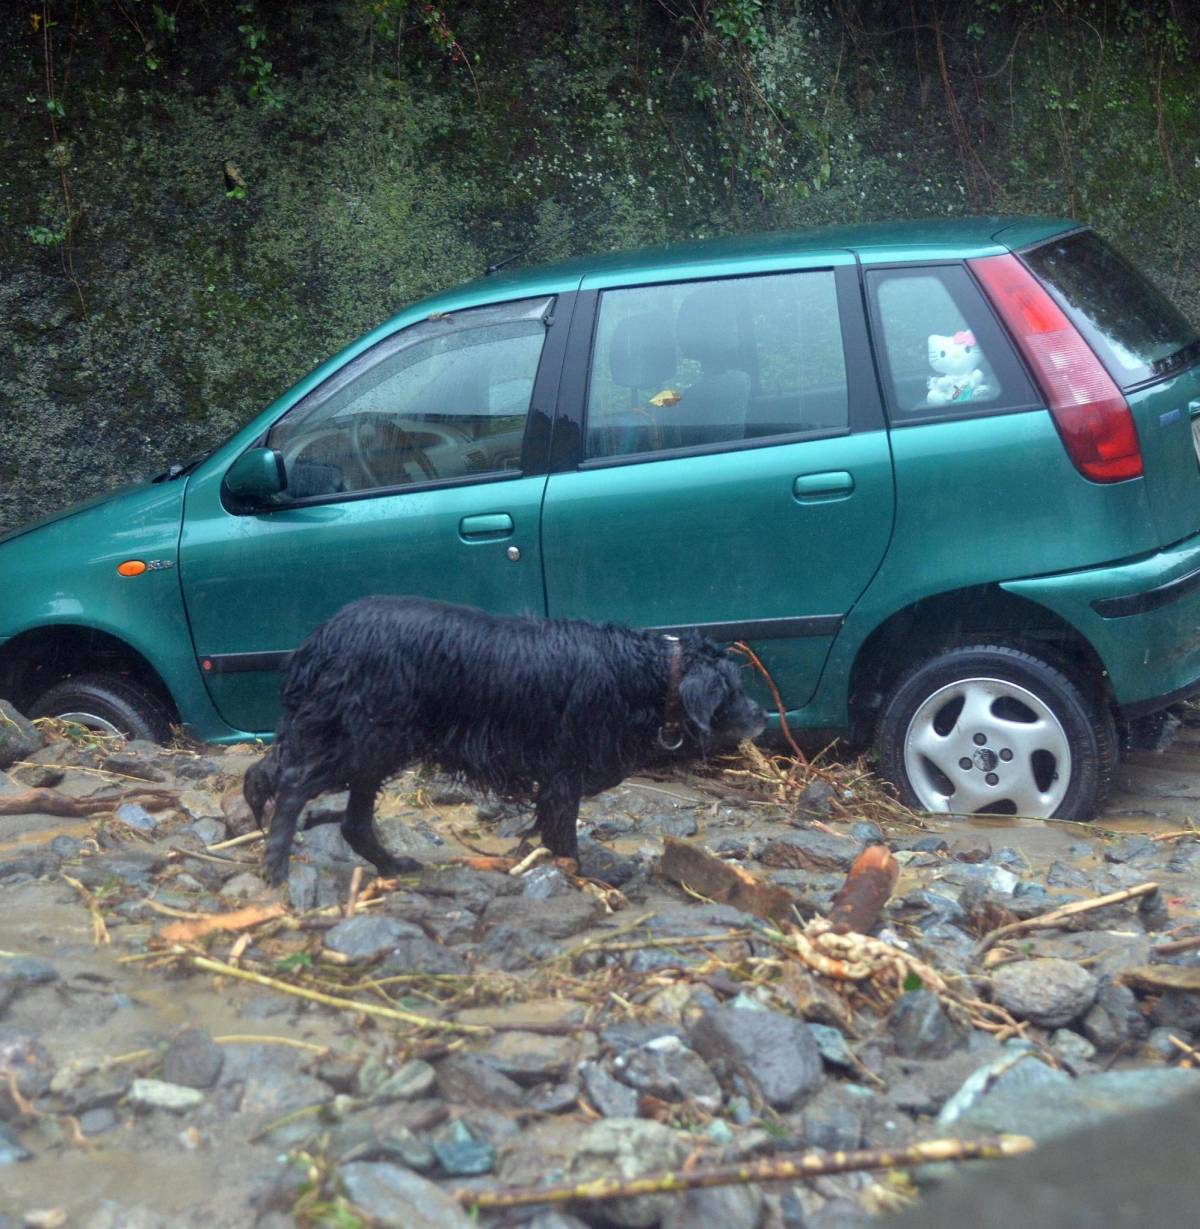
936 238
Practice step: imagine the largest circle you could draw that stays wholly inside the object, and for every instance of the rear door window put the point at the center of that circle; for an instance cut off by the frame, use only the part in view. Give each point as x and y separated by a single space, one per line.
717 362
1136 330
942 351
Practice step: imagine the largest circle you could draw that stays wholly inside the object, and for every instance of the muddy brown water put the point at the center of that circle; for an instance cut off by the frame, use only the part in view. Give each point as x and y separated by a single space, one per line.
1156 792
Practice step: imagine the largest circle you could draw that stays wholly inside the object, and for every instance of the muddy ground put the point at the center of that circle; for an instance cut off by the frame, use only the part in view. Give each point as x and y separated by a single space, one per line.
572 1033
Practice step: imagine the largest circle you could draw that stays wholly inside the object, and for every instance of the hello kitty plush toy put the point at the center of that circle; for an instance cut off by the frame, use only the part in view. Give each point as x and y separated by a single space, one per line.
958 379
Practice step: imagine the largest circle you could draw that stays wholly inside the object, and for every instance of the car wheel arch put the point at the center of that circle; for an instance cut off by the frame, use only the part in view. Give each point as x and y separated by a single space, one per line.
33 661
957 616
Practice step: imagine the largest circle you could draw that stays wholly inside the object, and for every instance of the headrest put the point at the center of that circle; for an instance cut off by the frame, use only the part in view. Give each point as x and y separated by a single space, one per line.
642 354
707 327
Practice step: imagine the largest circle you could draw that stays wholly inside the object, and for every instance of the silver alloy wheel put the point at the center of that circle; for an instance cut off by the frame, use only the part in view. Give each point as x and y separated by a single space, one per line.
984 744
91 722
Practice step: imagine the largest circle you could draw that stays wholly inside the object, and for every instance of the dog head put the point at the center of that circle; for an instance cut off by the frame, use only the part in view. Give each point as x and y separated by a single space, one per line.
716 709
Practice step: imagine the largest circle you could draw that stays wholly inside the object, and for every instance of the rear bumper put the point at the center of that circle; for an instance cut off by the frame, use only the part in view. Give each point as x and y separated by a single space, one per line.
1142 618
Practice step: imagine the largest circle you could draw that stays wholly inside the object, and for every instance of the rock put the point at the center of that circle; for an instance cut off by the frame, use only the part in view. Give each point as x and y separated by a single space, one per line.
146 1094
728 1207
11 1149
369 935
137 758
665 1068
19 738
1134 1170
193 1060
553 1098
1177 1009
816 800
245 887
1114 1019
513 950
469 1079
984 1079
534 1058
1045 991
921 1028
408 1082
831 1043
606 864
470 888
775 1051
810 850
461 1155
396 1198
135 816
557 918
97 1121
26 1066
543 882
833 1119
971 849
1160 1046
1074 1104
1061 875
993 878
624 1148
611 1098
209 831
423 955
1071 1047
1133 849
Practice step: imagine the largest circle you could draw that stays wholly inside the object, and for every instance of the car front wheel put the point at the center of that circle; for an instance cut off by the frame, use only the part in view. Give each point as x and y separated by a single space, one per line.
991 729
109 703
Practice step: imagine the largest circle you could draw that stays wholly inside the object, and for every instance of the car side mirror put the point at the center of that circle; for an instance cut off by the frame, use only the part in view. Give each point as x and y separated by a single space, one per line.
256 476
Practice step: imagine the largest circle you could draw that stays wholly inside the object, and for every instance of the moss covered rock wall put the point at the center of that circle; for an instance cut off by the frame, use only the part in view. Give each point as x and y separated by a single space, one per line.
199 202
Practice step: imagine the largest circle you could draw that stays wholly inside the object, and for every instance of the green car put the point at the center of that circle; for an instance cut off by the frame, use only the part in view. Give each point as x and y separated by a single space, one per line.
943 477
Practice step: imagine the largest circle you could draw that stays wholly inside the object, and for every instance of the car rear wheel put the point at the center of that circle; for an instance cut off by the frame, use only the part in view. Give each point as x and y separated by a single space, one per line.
991 729
108 703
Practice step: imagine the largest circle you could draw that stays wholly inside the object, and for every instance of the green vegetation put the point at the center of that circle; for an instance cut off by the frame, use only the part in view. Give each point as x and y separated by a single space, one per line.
199 202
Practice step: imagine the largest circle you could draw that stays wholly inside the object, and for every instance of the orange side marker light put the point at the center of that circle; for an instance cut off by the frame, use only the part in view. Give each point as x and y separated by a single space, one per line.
131 567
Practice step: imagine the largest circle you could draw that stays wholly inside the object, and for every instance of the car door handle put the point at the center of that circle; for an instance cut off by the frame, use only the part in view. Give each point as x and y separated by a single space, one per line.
833 484
486 525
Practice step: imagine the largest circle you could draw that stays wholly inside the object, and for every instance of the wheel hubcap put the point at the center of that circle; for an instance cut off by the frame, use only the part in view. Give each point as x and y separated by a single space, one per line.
986 745
91 721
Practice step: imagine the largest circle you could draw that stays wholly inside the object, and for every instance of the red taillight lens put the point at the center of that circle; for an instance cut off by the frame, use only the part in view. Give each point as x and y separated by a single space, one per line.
1089 411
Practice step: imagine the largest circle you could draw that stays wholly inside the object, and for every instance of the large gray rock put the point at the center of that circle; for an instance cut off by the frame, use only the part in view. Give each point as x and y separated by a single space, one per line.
1069 1105
775 1051
921 1028
665 1068
400 1199
19 738
1048 991
193 1059
560 917
369 935
1134 1170
623 1148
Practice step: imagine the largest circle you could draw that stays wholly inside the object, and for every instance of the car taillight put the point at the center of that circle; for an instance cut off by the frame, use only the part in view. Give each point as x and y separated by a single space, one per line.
1089 411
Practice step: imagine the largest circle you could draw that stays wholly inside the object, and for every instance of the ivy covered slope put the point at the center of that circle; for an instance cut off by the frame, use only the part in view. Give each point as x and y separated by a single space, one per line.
198 202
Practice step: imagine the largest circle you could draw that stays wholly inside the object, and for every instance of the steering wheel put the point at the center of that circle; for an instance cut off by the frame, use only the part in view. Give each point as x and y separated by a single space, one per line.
404 440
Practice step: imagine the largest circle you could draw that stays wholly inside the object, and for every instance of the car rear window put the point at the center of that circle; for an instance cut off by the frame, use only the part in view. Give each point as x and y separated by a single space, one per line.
1134 328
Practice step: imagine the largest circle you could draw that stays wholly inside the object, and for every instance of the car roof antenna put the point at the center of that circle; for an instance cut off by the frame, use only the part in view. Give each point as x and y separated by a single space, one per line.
573 225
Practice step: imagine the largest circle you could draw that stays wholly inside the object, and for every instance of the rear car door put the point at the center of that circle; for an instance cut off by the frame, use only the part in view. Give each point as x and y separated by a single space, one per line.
418 467
721 462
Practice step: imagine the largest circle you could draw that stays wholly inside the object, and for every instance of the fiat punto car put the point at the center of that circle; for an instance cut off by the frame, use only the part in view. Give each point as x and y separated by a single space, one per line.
942 476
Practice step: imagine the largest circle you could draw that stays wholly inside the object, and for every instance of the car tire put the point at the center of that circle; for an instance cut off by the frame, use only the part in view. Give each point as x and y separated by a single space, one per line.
994 729
109 703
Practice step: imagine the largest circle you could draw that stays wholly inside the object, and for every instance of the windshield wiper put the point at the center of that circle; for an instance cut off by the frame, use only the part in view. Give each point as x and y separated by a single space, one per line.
181 470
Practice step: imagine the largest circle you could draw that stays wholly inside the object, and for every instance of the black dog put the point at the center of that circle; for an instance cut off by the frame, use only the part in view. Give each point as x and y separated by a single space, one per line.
552 709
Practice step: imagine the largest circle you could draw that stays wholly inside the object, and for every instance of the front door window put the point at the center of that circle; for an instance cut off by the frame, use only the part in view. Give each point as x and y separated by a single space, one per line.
444 400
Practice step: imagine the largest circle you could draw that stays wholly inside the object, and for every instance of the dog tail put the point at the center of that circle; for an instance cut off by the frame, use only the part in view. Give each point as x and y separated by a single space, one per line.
261 783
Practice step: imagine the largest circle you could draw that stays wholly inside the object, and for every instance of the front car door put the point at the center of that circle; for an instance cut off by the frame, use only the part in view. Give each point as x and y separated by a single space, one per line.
723 461
417 467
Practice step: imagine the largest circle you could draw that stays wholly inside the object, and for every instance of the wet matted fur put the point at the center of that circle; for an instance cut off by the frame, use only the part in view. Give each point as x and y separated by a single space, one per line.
549 709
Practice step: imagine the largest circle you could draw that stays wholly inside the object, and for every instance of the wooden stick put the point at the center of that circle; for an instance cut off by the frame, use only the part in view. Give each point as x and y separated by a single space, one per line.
356 876
869 882
329 1000
51 802
773 1169
100 933
247 838
1176 946
742 647
1047 921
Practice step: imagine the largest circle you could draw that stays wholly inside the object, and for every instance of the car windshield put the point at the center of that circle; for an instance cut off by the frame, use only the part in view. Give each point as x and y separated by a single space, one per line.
1134 328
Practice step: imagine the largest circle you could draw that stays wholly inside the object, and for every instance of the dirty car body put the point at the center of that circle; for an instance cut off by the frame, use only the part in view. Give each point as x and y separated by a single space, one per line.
943 477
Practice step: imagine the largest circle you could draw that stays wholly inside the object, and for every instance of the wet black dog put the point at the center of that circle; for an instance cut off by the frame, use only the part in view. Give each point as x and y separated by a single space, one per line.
550 709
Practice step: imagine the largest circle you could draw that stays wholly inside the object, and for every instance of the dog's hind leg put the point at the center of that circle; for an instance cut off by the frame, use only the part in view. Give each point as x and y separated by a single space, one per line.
359 830
558 814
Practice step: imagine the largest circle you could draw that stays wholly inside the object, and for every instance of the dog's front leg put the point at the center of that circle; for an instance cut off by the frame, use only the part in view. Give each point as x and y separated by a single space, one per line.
558 815
359 830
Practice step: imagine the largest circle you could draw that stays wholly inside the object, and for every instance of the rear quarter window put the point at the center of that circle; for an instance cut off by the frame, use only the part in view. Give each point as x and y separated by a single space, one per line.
942 352
1135 329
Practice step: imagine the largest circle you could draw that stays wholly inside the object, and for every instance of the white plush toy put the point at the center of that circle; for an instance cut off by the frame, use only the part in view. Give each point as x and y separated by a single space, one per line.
958 379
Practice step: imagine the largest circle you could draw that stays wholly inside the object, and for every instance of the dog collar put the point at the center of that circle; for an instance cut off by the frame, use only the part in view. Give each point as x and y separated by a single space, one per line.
670 733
